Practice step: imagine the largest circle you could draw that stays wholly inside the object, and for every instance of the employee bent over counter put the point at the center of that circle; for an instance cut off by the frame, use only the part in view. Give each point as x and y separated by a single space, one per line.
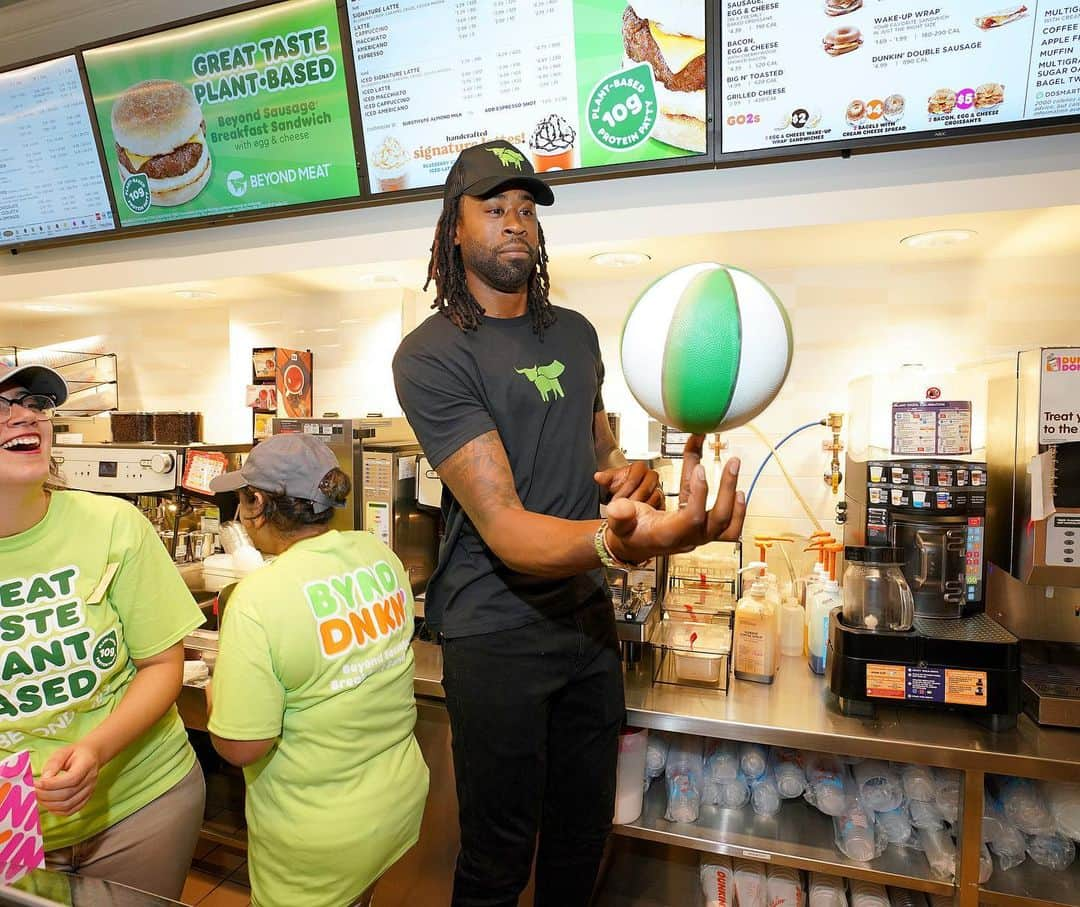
313 687
503 390
92 619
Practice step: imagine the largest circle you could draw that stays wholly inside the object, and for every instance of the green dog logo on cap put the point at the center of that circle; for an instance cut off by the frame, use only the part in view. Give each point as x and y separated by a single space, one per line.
508 157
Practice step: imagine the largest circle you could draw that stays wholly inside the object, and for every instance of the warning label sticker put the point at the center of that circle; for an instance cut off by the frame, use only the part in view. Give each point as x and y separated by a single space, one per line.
885 681
965 687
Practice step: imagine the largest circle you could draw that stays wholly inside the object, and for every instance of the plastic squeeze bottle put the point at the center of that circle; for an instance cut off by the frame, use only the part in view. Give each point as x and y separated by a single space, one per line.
755 632
825 599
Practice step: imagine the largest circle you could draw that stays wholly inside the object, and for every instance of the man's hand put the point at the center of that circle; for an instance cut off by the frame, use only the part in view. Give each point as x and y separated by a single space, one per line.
635 481
636 532
68 780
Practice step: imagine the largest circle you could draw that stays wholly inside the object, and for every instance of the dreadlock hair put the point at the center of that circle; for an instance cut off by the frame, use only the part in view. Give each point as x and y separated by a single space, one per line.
452 295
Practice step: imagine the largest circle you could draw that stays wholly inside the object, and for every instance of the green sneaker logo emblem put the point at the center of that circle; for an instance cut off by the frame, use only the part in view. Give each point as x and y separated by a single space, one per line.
508 157
545 378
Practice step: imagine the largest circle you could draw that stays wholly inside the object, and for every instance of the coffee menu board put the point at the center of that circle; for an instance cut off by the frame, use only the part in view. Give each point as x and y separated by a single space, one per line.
238 113
798 73
573 83
51 183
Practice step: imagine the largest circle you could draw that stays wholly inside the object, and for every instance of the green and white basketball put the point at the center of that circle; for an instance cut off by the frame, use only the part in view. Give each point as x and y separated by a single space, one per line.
705 348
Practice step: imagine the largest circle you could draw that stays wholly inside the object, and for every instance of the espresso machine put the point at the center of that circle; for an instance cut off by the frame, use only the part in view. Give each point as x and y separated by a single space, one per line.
381 457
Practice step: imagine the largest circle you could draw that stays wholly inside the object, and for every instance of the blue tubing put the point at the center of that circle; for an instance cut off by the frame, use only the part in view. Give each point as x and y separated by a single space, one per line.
768 456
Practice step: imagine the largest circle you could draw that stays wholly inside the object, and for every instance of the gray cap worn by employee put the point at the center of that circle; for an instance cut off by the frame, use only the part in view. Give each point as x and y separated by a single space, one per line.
292 465
482 170
37 379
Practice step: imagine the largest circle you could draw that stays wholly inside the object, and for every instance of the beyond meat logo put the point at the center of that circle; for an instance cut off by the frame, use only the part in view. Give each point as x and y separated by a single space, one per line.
357 608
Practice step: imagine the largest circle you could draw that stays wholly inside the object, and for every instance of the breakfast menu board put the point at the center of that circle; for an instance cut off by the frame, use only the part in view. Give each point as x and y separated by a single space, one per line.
802 72
51 183
572 83
239 113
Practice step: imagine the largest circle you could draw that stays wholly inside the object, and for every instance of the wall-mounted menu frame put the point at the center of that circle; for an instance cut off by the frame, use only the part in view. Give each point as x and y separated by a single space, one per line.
586 88
52 187
804 79
228 116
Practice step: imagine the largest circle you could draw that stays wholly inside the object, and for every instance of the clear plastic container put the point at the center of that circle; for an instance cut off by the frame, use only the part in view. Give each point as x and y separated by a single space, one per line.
876 595
695 654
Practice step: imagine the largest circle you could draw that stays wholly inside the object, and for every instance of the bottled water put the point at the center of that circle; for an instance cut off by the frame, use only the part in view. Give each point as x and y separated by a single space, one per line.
751 886
896 824
918 782
925 814
684 770
855 831
1024 806
940 852
788 770
718 882
656 754
827 891
825 788
733 794
1064 803
1053 851
753 760
1006 841
784 887
880 788
947 784
765 797
986 865
722 762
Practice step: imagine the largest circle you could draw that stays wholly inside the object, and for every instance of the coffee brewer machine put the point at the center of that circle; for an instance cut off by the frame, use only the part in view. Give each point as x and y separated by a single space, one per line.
930 514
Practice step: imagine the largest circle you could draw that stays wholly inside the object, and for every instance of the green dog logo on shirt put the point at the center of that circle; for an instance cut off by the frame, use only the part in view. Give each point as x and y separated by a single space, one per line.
545 378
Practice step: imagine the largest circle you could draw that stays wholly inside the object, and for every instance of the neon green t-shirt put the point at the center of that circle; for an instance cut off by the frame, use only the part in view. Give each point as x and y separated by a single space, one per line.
314 651
82 593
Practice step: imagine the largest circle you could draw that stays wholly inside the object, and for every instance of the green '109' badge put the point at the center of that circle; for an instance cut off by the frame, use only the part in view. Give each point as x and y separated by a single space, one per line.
137 192
622 108
106 651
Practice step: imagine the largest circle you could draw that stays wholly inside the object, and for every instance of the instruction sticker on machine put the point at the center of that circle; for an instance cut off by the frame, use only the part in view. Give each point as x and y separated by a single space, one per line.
1059 396
885 681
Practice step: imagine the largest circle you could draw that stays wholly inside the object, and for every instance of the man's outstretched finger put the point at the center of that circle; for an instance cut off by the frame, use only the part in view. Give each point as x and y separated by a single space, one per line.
735 527
691 459
724 507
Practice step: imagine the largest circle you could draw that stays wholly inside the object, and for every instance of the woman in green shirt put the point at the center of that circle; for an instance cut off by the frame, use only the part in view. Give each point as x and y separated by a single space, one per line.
93 614
313 687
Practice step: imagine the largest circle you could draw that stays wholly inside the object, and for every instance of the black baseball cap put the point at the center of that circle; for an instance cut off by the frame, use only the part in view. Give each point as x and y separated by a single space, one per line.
482 169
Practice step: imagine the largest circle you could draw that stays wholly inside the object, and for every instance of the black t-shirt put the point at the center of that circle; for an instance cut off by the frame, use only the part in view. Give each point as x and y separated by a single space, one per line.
541 397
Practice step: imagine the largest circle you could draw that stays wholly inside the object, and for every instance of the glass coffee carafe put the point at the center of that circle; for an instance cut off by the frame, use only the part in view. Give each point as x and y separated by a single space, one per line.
876 594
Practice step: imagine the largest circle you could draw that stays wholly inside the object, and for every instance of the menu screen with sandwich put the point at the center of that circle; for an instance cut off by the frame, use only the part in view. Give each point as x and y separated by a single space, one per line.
573 83
804 72
239 113
51 183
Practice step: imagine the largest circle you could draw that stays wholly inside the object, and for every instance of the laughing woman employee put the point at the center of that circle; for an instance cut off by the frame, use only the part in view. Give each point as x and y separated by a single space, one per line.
92 619
313 688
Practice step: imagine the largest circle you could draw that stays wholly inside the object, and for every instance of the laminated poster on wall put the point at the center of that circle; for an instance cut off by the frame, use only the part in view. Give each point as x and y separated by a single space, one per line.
21 845
294 383
239 113
572 83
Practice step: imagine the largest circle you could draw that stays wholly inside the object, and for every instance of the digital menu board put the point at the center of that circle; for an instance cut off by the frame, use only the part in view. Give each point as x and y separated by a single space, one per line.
797 73
51 183
239 113
573 83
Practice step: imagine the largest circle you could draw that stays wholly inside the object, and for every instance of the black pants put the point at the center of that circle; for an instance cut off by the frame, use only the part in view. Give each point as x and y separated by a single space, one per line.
535 714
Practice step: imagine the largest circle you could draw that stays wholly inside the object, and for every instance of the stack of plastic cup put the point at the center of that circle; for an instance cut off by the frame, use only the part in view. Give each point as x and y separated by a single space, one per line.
784 887
866 894
718 882
827 891
751 885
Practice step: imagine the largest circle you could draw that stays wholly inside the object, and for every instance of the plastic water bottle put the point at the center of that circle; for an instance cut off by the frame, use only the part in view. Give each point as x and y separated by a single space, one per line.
880 788
1025 807
784 887
733 794
787 766
1063 801
722 762
827 891
855 830
1053 851
718 882
751 885
753 760
986 865
765 797
896 825
656 754
902 897
825 787
918 782
1006 841
925 814
947 784
684 770
940 852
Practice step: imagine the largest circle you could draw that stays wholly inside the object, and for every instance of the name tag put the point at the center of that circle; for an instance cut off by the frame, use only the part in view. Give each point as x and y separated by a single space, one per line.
102 587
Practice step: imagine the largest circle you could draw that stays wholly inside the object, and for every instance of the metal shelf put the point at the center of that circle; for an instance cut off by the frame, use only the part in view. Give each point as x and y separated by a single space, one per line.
1031 885
798 836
